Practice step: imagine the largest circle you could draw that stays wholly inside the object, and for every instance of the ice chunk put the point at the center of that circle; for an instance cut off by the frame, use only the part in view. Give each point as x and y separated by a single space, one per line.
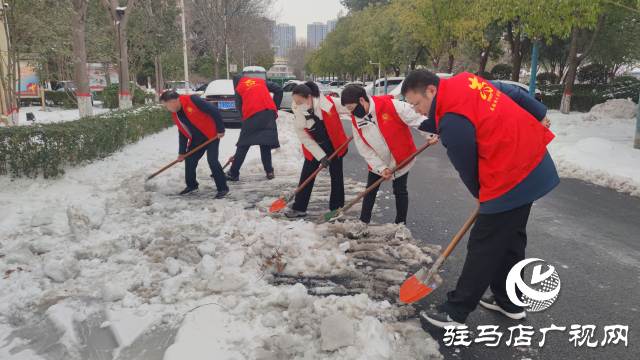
79 223
112 291
344 246
172 265
234 259
61 269
207 267
226 280
270 320
171 287
208 248
20 256
105 324
337 331
293 297
241 308
157 207
42 217
375 337
353 353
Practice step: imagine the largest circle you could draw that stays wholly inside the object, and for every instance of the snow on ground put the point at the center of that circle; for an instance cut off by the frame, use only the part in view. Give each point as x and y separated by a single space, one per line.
99 263
598 146
53 114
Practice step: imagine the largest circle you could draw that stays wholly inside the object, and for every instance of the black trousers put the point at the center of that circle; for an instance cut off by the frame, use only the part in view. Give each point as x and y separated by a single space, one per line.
241 153
336 199
191 163
497 242
400 192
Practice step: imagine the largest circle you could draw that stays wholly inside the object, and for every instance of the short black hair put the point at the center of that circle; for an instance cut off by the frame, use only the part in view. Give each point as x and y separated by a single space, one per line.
306 89
352 94
169 95
418 81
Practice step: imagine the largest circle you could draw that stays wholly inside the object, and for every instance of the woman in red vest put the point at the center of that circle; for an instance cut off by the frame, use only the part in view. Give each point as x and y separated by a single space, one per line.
382 136
320 131
259 113
496 137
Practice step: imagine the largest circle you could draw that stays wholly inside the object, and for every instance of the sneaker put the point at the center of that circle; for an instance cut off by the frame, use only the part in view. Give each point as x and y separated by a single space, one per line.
295 213
401 232
222 194
489 301
189 190
230 177
438 318
360 230
270 176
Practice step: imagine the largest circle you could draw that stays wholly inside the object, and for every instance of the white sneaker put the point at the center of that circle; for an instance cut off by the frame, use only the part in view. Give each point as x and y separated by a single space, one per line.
401 232
360 230
489 301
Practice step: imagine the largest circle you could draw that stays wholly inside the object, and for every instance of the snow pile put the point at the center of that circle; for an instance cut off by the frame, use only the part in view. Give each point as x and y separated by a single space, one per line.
122 255
53 115
598 146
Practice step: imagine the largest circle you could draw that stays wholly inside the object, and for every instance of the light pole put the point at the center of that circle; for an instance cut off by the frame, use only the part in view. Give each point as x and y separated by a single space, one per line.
374 77
184 50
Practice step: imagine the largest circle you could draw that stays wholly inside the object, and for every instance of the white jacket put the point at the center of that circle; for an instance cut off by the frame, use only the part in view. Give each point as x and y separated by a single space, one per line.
378 156
301 123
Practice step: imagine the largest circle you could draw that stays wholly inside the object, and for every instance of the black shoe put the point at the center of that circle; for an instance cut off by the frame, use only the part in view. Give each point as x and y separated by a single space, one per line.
489 301
188 190
437 318
270 176
222 194
295 213
230 177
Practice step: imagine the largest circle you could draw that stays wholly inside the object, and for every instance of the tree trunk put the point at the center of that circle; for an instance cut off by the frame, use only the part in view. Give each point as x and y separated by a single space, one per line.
575 61
454 44
119 30
107 73
518 49
484 57
80 58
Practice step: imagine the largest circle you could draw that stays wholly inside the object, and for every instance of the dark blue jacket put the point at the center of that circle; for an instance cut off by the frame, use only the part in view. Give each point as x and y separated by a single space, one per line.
458 135
197 137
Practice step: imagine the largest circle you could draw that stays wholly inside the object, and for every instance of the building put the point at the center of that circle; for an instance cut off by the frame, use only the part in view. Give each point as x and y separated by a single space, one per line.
285 37
331 24
279 68
315 33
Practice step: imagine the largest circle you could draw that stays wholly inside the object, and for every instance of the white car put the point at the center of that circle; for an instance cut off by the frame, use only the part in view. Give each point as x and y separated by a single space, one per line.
179 87
222 95
396 91
287 93
393 82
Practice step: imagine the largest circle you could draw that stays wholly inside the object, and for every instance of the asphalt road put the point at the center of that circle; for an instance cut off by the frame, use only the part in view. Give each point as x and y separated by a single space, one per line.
590 234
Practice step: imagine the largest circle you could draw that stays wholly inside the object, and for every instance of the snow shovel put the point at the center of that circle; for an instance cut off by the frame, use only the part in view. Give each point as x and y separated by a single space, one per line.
425 281
228 162
176 161
281 203
331 214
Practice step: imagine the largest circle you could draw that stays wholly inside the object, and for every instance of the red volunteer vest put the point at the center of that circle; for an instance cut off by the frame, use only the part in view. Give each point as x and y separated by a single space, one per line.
394 131
511 142
255 97
334 128
199 118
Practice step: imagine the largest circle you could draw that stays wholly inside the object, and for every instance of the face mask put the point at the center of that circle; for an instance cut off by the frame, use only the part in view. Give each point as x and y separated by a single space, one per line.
304 107
358 111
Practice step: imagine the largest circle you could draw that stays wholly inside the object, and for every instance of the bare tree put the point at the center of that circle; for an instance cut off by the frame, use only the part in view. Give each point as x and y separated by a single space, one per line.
297 54
83 92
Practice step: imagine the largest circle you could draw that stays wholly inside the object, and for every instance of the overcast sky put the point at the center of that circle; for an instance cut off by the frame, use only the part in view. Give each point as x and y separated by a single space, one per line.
300 13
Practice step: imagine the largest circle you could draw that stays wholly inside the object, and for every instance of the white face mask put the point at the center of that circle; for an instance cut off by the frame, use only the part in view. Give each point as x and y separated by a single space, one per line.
303 107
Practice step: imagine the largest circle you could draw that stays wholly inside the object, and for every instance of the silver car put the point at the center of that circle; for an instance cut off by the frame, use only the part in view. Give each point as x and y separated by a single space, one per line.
287 98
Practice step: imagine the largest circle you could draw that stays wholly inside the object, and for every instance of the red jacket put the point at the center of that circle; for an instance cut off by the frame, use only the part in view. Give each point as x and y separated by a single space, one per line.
334 128
255 96
199 118
511 142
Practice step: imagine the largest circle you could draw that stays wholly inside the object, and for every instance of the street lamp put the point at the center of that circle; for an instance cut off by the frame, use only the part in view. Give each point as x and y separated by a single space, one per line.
374 80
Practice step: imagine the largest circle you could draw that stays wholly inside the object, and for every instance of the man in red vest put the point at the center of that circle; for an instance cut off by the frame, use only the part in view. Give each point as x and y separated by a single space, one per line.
259 113
382 136
496 137
198 121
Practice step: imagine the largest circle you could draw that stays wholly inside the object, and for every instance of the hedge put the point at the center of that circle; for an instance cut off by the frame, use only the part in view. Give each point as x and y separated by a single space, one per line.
585 96
27 151
64 99
110 97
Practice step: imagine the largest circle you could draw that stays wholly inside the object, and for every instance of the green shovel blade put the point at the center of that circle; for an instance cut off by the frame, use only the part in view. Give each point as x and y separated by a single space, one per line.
326 217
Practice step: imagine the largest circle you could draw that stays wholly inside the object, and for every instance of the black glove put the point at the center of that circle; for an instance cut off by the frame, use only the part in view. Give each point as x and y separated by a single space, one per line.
325 162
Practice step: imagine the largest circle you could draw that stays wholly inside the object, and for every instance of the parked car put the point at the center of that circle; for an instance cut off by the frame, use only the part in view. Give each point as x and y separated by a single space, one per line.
396 91
393 83
335 84
221 94
339 90
287 96
178 86
68 86
255 72
538 95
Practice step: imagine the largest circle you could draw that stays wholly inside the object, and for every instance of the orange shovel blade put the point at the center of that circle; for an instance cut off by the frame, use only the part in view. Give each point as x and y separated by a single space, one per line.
414 289
277 205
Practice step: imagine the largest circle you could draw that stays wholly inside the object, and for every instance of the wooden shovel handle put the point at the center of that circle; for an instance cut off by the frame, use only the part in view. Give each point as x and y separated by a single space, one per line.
461 233
335 153
185 155
398 167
